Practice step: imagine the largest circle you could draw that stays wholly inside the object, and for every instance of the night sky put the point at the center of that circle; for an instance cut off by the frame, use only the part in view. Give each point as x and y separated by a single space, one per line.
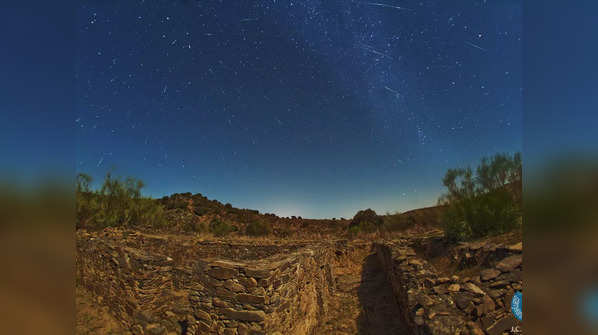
310 108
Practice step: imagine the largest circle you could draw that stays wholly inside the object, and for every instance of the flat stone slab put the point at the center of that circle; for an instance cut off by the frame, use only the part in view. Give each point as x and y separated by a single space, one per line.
488 274
510 263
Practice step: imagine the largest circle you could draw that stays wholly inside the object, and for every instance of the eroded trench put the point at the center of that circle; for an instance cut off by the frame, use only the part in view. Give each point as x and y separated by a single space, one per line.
363 302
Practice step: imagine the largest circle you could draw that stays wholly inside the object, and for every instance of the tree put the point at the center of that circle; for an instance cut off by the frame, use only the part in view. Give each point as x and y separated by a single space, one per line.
84 205
498 172
487 203
116 203
367 215
365 221
83 183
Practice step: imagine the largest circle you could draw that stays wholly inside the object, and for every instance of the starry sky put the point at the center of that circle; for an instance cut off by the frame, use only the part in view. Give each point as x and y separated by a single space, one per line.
310 108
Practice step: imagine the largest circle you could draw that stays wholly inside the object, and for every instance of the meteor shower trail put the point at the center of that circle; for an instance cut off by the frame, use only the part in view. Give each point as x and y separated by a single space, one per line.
384 5
391 90
475 46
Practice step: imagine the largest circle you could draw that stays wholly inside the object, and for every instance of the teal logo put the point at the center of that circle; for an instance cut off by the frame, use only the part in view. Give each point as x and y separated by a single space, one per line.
516 306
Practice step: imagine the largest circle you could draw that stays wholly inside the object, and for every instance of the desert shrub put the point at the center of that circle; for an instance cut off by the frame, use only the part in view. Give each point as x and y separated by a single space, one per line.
353 230
200 227
175 202
365 221
85 202
221 228
488 203
258 228
117 203
362 227
149 213
201 211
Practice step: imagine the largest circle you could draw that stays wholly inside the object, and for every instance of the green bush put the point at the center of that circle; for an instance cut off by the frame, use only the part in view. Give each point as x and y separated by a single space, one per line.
366 221
221 228
487 204
367 215
363 227
198 227
116 204
175 202
353 230
258 228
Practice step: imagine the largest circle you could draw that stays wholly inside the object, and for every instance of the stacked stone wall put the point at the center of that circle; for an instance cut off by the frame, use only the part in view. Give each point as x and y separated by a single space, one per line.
434 303
154 293
413 280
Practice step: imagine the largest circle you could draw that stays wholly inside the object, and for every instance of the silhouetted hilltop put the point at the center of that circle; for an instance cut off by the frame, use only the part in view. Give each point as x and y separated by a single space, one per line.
195 212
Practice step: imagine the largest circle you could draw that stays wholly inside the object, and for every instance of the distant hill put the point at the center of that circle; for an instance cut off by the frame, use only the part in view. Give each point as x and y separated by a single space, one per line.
428 217
189 212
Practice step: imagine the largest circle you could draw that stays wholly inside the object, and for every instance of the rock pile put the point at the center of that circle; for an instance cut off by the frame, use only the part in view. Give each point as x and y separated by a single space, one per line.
483 253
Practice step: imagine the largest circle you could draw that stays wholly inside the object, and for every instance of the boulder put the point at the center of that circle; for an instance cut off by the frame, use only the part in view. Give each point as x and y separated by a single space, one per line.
233 286
517 247
454 288
474 329
155 329
499 284
495 294
487 305
471 287
488 274
424 300
249 283
222 273
439 289
255 316
502 325
509 263
442 280
258 272
462 300
251 299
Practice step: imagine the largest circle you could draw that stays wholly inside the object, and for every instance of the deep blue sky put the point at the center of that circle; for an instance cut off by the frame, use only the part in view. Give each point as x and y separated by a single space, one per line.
311 108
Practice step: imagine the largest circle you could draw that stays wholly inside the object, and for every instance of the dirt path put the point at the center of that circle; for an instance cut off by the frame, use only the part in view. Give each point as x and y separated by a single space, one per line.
363 302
